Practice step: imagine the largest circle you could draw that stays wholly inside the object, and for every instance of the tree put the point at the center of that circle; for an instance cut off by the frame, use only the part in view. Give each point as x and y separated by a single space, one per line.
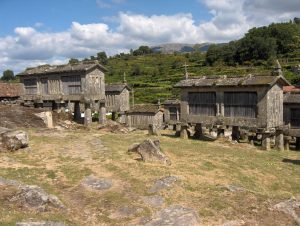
142 50
8 75
73 61
102 57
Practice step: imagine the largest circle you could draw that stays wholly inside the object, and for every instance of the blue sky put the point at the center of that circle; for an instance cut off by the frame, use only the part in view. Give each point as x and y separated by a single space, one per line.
34 32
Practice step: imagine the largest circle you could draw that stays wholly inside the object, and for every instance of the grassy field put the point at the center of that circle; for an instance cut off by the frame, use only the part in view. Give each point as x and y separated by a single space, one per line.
58 161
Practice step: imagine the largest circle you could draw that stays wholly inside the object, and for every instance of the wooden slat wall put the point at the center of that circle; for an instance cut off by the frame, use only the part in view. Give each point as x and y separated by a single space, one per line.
240 104
202 103
44 84
30 86
71 84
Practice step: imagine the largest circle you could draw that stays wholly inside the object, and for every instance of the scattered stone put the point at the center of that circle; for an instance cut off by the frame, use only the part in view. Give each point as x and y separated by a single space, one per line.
150 152
290 207
234 188
126 212
35 197
234 223
40 223
163 183
174 215
96 183
113 127
14 140
155 201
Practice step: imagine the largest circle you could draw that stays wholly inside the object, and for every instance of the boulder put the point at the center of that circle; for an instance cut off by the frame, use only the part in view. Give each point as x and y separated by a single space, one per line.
150 152
290 207
33 196
174 215
14 140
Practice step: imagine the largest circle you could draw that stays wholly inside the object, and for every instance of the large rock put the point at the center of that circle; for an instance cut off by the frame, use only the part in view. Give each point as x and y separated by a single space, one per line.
290 207
35 197
14 140
174 215
150 152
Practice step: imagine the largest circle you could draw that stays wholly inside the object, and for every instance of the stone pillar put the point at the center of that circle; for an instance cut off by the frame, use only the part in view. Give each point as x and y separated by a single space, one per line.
221 132
235 133
178 130
87 115
266 141
128 121
251 138
77 113
102 113
297 143
198 131
184 132
287 143
113 116
153 130
279 142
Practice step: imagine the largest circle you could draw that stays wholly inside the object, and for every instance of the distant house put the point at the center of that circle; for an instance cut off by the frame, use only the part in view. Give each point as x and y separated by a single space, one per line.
171 111
141 116
10 92
83 82
117 98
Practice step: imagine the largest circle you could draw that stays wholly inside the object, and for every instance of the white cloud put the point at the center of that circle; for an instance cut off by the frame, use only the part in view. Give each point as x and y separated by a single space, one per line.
230 20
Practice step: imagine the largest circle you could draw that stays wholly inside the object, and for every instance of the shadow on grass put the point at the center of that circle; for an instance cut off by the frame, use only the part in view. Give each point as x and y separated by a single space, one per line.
293 161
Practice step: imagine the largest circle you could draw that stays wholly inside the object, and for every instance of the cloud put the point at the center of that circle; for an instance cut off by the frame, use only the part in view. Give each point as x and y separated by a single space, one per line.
229 20
105 4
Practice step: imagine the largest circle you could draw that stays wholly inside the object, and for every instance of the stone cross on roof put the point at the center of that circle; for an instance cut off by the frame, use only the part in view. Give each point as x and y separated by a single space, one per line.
277 69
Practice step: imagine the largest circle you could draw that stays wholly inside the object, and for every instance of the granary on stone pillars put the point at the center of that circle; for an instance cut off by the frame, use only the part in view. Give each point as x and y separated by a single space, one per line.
291 112
117 100
10 92
171 111
142 115
59 85
234 103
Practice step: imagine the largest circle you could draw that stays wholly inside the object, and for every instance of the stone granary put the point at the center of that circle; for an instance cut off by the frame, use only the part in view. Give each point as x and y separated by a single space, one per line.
117 99
171 111
143 115
59 85
232 104
10 92
291 111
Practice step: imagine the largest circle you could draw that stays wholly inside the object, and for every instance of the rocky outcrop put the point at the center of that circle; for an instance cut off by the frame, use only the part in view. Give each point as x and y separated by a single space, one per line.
32 196
97 183
150 152
290 207
163 183
13 140
174 215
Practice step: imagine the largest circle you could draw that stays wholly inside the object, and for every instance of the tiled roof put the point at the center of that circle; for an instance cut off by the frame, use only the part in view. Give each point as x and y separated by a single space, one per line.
287 89
248 80
145 108
10 89
56 69
116 87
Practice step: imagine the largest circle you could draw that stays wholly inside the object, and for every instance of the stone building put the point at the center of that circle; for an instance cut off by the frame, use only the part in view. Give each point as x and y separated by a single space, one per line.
117 99
10 92
56 86
143 115
254 103
291 111
171 111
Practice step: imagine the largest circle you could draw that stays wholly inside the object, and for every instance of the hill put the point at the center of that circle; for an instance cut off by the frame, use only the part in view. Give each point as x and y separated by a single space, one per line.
170 48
